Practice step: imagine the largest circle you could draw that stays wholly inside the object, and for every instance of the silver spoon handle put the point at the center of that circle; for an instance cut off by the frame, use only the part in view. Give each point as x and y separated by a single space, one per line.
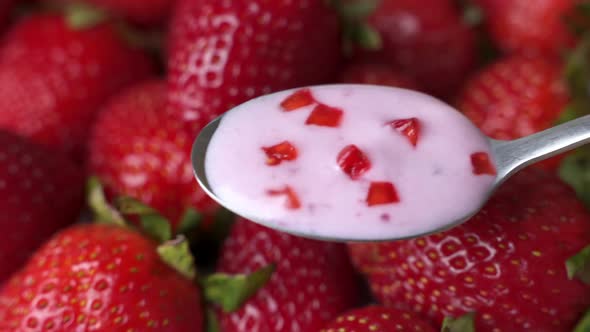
512 156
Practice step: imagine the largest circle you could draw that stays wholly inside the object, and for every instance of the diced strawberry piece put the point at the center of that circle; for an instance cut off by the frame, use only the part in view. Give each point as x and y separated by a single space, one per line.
407 127
284 151
292 202
482 164
353 161
382 193
325 116
298 100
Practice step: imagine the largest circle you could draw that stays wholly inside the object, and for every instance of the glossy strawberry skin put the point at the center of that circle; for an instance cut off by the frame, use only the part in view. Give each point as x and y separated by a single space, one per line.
138 149
40 192
526 27
506 263
53 78
144 12
376 318
225 53
313 281
426 42
516 96
377 74
102 278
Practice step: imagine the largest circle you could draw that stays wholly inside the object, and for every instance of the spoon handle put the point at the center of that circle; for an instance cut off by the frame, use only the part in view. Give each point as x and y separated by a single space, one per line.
512 156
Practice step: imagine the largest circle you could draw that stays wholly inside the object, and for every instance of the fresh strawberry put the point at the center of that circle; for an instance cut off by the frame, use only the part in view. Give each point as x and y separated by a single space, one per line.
312 284
426 42
531 27
515 97
53 77
375 318
377 74
40 192
224 53
506 263
138 150
144 12
100 277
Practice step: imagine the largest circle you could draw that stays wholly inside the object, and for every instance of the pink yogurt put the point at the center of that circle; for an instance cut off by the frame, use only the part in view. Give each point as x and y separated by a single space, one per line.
435 182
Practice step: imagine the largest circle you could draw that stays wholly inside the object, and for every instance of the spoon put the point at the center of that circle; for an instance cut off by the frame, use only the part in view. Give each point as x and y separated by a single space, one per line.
509 157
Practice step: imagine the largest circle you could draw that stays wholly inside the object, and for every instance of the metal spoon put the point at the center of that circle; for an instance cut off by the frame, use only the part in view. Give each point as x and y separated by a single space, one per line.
510 157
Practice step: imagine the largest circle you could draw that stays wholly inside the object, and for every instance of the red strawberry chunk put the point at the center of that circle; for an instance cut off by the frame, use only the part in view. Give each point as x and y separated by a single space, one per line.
353 161
407 127
293 202
284 151
325 116
482 164
382 193
298 100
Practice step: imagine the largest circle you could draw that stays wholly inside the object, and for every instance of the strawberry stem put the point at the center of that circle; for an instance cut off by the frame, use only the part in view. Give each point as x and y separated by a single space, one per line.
176 253
232 291
212 322
578 266
103 211
465 323
584 323
81 16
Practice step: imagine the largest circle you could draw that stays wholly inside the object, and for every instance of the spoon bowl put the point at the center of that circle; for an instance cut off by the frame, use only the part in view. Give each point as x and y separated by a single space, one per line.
508 156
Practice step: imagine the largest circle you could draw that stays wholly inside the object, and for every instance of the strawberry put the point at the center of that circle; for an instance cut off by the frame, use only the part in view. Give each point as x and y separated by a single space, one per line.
506 264
426 42
225 53
138 150
313 281
144 12
377 74
40 192
515 97
53 77
529 27
100 277
375 318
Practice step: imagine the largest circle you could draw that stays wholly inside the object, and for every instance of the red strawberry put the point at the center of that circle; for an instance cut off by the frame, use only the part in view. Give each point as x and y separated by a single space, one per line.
506 263
40 192
532 27
99 277
224 53
515 97
377 74
428 42
375 318
145 12
138 150
53 77
312 284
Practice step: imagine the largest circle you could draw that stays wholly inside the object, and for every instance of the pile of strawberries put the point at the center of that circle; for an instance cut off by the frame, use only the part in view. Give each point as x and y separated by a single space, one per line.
100 101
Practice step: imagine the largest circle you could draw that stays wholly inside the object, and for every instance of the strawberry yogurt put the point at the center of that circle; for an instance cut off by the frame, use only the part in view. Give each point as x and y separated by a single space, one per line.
349 161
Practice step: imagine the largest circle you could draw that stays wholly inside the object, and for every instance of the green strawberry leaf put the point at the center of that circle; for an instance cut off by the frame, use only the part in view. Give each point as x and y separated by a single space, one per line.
232 291
577 70
190 221
575 170
152 222
212 322
81 16
176 253
465 323
578 266
584 323
103 211
354 9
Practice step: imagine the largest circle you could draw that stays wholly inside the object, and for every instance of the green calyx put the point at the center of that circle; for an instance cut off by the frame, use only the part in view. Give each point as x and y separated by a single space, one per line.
465 323
152 222
356 31
584 323
575 171
578 266
81 16
230 292
176 253
103 211
212 322
189 222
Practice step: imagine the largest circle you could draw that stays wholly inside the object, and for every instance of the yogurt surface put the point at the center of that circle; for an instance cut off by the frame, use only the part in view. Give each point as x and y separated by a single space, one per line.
352 161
